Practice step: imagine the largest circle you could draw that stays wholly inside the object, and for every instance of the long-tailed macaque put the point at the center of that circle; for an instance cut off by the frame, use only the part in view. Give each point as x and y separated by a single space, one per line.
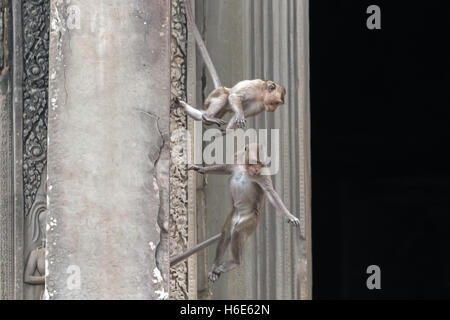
247 98
249 184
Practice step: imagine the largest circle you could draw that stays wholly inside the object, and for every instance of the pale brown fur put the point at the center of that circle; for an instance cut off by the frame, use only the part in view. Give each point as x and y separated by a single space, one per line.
249 184
246 99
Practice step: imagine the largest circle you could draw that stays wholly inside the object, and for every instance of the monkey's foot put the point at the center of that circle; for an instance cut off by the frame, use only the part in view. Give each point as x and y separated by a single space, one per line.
241 122
211 120
214 275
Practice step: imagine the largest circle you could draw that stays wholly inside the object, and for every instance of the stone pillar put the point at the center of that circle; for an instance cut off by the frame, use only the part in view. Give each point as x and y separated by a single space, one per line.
7 256
108 150
23 132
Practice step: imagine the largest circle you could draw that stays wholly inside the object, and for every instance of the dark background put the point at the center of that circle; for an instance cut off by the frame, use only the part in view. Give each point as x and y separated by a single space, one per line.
380 112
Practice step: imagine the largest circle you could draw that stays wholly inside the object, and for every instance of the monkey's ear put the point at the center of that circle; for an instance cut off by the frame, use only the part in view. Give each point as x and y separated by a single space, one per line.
272 86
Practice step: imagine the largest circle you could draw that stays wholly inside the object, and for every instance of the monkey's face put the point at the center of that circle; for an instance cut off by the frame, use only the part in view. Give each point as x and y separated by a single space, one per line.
254 169
274 96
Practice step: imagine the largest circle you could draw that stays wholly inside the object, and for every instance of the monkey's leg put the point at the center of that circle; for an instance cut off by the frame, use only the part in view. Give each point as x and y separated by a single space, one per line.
191 111
222 246
237 245
237 242
216 107
237 107
216 103
220 252
200 115
239 234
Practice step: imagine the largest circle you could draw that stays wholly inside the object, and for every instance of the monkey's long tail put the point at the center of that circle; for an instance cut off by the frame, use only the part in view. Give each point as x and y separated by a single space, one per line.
201 45
190 252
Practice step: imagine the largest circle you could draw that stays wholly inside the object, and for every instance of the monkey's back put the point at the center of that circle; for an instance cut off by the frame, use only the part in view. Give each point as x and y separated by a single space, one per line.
247 90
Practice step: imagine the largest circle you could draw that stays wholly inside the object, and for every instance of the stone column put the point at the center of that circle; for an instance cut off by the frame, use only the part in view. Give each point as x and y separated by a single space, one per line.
108 150
24 39
7 256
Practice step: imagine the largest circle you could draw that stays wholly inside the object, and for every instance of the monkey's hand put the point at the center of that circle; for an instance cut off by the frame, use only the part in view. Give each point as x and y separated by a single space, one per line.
175 103
294 221
196 168
240 121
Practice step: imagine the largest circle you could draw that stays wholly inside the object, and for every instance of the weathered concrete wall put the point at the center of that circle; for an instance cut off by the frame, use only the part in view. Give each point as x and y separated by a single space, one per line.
108 150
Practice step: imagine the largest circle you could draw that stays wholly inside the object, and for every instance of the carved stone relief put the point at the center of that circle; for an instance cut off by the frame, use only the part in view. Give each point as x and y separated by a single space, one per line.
36 21
178 225
35 227
2 39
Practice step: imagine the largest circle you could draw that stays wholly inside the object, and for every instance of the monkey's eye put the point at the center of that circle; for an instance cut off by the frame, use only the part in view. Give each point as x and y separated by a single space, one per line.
272 86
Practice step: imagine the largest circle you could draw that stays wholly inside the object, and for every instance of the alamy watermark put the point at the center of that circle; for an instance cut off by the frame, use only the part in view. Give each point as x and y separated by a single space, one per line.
215 147
374 20
374 280
74 279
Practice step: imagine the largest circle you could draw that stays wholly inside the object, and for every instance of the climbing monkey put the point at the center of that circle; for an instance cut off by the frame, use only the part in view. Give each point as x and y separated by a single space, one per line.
246 99
249 184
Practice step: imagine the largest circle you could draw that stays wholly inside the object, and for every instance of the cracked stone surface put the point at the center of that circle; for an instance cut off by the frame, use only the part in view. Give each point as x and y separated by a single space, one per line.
108 151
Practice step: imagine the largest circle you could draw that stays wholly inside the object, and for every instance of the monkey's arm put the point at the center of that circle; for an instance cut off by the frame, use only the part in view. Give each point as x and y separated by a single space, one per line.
265 182
215 169
236 105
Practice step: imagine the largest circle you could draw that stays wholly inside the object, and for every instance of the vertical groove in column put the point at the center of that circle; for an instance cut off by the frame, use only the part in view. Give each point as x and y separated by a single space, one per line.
294 146
286 151
17 62
275 223
261 59
305 162
247 32
7 256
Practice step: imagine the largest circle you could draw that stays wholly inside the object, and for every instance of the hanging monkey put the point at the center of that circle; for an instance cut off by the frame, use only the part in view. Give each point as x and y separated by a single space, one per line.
249 184
246 99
